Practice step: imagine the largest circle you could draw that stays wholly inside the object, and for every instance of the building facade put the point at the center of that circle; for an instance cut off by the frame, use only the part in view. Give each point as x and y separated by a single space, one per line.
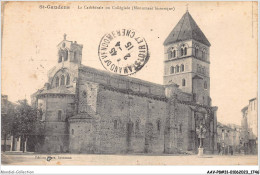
85 110
229 139
249 125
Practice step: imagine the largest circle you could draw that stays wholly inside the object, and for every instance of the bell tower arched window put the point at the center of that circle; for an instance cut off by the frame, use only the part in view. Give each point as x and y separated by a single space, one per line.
196 51
57 81
204 54
172 70
182 68
62 80
183 50
177 68
172 53
68 80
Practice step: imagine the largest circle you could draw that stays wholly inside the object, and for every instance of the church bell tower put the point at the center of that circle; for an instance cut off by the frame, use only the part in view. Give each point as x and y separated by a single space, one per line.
186 60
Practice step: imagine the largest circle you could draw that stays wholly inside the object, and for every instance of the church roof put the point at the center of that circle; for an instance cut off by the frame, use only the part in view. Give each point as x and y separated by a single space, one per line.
186 29
59 90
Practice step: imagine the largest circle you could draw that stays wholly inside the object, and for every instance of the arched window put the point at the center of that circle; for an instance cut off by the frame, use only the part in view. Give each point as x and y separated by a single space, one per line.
203 70
172 69
60 59
196 51
177 68
174 53
60 56
75 55
205 85
57 81
183 50
137 125
66 55
170 54
59 115
68 80
198 68
183 82
72 131
182 68
204 54
180 128
115 124
62 80
158 124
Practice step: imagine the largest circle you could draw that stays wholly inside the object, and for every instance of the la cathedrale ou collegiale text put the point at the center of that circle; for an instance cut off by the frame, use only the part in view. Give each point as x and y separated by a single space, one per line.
128 8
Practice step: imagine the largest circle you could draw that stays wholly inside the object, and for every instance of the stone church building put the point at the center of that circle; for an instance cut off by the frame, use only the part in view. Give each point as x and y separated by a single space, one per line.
86 110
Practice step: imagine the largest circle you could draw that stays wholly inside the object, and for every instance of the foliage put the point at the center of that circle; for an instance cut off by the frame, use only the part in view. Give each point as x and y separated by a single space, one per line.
20 121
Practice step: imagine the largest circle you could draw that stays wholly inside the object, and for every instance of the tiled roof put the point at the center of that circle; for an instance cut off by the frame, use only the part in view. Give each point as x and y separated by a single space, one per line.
186 29
82 116
60 90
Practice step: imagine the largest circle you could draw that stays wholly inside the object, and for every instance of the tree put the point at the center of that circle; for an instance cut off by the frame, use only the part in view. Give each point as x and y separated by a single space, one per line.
25 121
7 119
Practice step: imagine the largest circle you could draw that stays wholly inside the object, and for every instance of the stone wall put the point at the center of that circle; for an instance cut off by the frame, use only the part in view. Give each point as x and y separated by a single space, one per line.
56 129
130 123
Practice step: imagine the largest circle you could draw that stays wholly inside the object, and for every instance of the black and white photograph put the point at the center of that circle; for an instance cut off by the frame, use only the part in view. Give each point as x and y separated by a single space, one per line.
129 83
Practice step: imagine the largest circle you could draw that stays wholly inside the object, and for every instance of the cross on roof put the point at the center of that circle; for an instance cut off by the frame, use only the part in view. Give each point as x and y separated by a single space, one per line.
187 7
64 36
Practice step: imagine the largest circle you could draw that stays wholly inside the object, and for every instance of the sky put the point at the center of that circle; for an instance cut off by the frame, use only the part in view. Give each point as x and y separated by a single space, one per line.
30 36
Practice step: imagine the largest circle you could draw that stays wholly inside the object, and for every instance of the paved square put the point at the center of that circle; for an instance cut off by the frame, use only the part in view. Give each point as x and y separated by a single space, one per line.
91 159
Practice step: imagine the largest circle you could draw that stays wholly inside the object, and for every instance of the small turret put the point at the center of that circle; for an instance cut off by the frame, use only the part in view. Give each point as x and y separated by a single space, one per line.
69 51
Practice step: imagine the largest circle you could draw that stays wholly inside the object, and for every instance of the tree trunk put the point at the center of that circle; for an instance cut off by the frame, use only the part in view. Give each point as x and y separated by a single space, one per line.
5 136
23 142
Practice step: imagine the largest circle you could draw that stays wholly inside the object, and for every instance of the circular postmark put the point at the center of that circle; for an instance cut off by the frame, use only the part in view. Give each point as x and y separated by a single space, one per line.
123 51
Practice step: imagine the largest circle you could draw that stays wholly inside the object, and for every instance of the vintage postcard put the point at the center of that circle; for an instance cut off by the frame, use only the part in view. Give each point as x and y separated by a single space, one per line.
129 83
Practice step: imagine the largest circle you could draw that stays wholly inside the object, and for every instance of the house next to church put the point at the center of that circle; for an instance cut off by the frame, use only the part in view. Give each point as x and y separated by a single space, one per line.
86 110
